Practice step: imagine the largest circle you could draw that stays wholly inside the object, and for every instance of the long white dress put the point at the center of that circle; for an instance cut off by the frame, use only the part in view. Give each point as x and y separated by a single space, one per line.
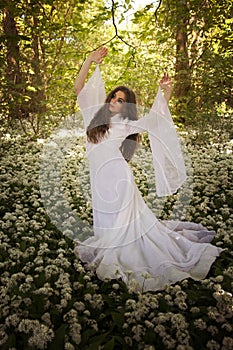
129 242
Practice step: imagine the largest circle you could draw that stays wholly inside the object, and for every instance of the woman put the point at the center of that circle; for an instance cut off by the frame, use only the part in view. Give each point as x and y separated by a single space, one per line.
129 241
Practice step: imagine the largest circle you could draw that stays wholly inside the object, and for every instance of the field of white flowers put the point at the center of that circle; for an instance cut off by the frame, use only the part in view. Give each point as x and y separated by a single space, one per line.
48 300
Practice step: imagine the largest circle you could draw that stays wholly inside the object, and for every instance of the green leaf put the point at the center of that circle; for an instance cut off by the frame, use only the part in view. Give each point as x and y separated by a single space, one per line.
95 342
118 318
110 345
58 341
31 88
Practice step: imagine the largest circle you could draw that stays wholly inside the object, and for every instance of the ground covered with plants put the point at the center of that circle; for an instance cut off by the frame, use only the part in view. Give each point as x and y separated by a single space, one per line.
49 300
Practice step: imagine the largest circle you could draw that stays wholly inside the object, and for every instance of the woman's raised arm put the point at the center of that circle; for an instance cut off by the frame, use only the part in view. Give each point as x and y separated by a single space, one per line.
96 56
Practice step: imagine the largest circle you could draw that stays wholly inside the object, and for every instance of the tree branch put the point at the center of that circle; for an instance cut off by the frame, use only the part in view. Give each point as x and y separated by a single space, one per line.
116 29
113 18
155 14
115 36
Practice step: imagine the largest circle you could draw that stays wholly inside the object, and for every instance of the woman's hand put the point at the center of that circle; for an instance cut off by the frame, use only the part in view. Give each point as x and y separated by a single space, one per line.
98 55
166 84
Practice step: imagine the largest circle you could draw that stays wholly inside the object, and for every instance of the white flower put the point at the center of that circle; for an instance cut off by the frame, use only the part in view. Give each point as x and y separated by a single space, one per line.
212 345
195 309
93 324
130 303
41 337
75 329
227 343
161 330
129 341
213 330
79 305
184 347
183 337
46 318
88 297
178 321
138 331
69 346
149 324
200 324
115 286
227 327
12 320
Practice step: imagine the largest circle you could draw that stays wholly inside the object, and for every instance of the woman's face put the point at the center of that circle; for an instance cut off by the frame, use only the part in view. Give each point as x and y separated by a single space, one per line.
116 102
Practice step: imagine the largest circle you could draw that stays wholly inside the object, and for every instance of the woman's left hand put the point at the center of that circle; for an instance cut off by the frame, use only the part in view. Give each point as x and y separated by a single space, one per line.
166 84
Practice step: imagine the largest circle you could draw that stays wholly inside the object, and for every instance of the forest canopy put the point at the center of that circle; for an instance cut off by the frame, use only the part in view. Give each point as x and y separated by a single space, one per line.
43 44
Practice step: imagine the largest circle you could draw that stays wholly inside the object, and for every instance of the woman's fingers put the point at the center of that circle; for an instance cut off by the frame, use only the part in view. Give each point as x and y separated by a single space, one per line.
166 82
99 54
102 51
165 77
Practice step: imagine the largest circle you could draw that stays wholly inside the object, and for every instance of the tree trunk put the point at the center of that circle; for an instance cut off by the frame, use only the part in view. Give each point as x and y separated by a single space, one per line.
182 69
14 89
36 63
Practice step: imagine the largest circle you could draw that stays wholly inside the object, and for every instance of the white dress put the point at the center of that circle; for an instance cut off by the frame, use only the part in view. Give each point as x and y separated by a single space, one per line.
129 242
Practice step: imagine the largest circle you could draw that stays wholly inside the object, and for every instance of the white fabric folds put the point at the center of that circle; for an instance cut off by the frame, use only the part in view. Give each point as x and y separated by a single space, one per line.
168 161
129 242
92 96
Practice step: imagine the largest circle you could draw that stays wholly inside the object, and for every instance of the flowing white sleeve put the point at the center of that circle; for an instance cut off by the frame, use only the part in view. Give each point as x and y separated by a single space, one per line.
91 96
168 160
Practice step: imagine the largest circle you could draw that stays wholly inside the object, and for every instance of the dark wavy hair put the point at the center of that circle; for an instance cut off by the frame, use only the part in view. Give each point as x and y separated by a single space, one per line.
100 124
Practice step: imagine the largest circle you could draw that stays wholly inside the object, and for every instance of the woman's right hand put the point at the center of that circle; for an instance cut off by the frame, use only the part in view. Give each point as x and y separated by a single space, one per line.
98 55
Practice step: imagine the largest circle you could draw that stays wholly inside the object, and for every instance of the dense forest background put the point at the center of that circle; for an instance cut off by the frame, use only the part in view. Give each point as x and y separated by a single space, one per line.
43 43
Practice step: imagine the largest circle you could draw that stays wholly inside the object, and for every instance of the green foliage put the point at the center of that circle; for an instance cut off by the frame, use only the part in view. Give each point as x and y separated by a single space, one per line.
54 39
